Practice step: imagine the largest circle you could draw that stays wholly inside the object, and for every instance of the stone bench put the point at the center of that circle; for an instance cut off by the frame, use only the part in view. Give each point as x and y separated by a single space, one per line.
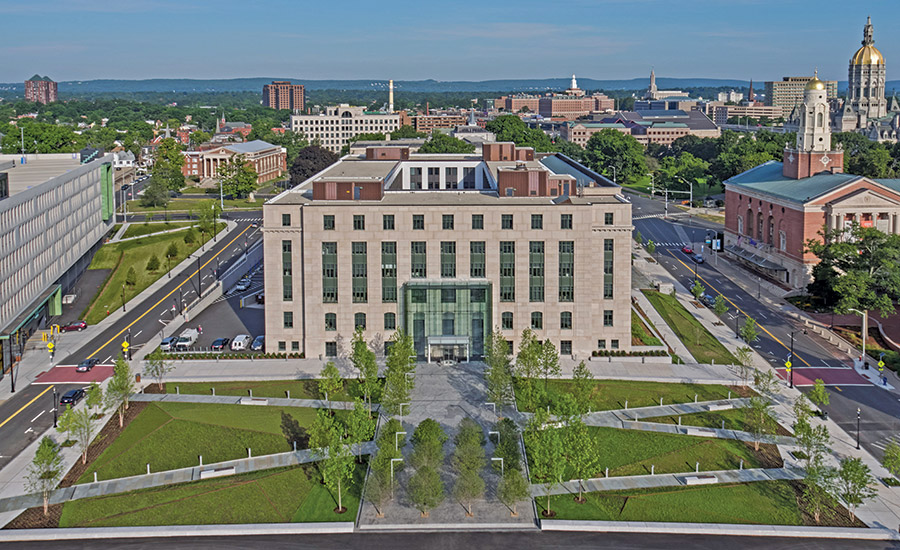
719 407
704 479
218 472
254 401
702 432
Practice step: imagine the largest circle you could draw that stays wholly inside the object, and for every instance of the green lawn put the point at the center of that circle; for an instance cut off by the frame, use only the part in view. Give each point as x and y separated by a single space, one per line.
183 205
300 389
763 503
174 435
735 419
269 496
612 394
640 334
632 452
702 345
141 229
134 254
642 184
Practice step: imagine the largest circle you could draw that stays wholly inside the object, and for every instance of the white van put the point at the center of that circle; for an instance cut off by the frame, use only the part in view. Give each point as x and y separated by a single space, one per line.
186 339
241 342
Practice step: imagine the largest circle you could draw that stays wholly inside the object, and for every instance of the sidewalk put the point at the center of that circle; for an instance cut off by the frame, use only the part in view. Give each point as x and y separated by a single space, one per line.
232 400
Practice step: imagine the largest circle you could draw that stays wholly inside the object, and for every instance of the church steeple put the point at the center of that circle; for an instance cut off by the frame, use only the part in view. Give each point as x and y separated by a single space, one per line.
652 81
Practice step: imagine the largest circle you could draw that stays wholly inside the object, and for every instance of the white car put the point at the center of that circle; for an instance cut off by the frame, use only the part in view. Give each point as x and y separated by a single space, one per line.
242 285
241 342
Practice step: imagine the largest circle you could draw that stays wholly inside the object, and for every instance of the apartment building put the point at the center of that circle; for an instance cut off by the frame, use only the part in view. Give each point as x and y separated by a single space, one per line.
281 94
788 92
40 89
336 125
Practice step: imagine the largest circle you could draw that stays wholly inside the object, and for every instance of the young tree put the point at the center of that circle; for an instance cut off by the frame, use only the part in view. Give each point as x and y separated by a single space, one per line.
549 361
651 247
237 177
330 381
582 453
720 307
363 360
189 238
45 471
765 382
818 394
748 332
545 447
321 433
812 440
377 490
337 468
94 398
360 426
388 443
155 194
744 356
801 408
583 386
528 367
153 263
817 488
512 489
66 423
499 371
120 388
638 237
131 277
83 430
426 489
157 367
507 446
172 251
853 483
759 419
697 289
428 444
468 460
891 459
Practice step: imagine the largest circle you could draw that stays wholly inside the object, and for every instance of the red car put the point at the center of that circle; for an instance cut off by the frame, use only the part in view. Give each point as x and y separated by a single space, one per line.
74 326
687 250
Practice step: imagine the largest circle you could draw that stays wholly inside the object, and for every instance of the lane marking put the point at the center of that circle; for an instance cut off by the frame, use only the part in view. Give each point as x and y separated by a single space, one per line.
764 329
25 406
38 416
29 430
166 297
138 333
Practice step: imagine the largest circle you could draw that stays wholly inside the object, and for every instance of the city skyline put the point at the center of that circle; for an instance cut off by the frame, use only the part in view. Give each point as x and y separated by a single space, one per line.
607 39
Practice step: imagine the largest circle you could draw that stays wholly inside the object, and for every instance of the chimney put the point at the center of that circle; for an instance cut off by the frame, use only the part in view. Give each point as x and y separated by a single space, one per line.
391 96
426 109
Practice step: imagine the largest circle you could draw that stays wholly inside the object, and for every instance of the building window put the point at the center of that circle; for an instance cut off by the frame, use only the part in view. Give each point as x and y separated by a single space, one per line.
328 222
329 273
537 221
359 321
477 295
330 321
448 259
477 221
295 346
566 271
468 178
740 229
389 272
608 218
537 320
607 318
285 220
330 349
451 179
281 346
782 241
418 296
536 271
390 321
601 344
287 270
565 347
565 320
565 221
360 273
415 178
607 268
448 296
387 222
288 319
506 320
434 177
613 344
418 221
507 271
447 221
359 222
476 259
506 221
418 259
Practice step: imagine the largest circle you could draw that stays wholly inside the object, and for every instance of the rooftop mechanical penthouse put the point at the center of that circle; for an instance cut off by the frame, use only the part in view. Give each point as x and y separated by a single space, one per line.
448 248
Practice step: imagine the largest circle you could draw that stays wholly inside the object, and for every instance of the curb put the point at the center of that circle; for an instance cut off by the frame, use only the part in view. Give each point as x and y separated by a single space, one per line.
847 533
177 531
448 527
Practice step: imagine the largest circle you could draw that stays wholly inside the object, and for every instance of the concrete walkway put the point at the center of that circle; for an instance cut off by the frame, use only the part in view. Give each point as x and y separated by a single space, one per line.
668 335
232 400
627 483
120 232
169 477
175 230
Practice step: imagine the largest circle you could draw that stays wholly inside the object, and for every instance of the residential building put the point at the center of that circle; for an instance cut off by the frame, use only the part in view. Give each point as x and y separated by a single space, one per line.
123 163
269 161
281 94
429 123
519 103
788 92
40 89
334 127
448 248
55 217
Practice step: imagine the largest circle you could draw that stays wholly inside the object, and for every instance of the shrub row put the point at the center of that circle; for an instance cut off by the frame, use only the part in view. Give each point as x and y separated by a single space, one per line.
623 353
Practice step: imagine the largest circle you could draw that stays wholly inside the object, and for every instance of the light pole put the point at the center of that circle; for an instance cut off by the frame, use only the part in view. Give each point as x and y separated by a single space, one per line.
55 402
199 279
494 459
864 332
397 440
651 184
393 460
123 298
857 428
789 367
614 172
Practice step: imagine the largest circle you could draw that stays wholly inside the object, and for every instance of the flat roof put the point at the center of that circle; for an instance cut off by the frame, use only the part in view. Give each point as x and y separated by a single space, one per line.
37 169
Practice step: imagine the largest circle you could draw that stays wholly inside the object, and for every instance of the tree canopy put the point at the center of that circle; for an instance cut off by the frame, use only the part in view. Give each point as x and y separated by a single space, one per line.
442 143
512 128
616 155
310 160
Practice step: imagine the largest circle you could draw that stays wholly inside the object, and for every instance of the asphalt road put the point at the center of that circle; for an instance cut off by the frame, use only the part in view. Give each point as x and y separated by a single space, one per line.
34 405
468 540
879 409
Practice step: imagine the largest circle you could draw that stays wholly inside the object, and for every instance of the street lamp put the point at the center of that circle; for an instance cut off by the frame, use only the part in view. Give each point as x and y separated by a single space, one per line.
397 440
123 298
791 357
857 428
392 474
864 333
199 278
614 172
55 404
651 183
494 459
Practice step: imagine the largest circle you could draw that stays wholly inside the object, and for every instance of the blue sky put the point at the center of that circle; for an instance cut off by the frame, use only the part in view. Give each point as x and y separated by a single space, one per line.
457 40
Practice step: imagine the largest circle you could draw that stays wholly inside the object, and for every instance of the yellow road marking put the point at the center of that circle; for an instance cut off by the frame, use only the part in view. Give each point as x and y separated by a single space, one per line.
25 406
796 356
161 300
838 389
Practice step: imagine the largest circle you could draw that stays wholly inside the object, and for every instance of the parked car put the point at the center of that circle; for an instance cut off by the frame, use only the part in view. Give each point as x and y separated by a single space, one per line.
254 224
74 326
71 397
168 343
261 298
219 344
240 342
187 339
687 250
242 285
708 301
87 365
259 343
697 258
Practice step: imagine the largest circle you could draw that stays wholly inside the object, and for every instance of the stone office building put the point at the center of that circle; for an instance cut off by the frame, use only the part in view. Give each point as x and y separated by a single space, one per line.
448 248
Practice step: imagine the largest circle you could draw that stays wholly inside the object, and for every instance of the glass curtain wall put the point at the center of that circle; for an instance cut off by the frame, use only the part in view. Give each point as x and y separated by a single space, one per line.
451 313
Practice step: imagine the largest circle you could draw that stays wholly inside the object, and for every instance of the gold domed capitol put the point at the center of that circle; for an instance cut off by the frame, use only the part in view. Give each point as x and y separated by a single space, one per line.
868 54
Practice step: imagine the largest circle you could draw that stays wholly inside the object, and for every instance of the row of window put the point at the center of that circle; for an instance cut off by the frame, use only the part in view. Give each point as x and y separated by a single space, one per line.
448 221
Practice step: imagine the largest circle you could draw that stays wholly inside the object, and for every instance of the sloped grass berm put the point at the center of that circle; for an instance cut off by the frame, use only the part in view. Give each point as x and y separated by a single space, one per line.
699 341
300 389
735 419
174 435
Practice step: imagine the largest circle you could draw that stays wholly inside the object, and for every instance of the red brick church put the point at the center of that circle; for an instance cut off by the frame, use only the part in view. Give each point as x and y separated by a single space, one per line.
773 209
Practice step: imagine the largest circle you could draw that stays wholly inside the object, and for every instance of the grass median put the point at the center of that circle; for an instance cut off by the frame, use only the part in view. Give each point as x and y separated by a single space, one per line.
299 389
734 419
175 435
699 341
141 229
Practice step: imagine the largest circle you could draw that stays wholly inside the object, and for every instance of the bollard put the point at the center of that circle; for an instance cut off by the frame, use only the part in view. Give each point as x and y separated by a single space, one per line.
653 469
626 404
679 421
742 464
697 467
607 471
695 398
251 392
95 477
177 390
148 468
249 453
729 395
295 446
723 424
289 394
201 460
213 391
660 401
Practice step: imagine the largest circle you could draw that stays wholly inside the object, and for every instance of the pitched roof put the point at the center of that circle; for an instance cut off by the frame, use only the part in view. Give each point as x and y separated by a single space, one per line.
254 146
768 178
